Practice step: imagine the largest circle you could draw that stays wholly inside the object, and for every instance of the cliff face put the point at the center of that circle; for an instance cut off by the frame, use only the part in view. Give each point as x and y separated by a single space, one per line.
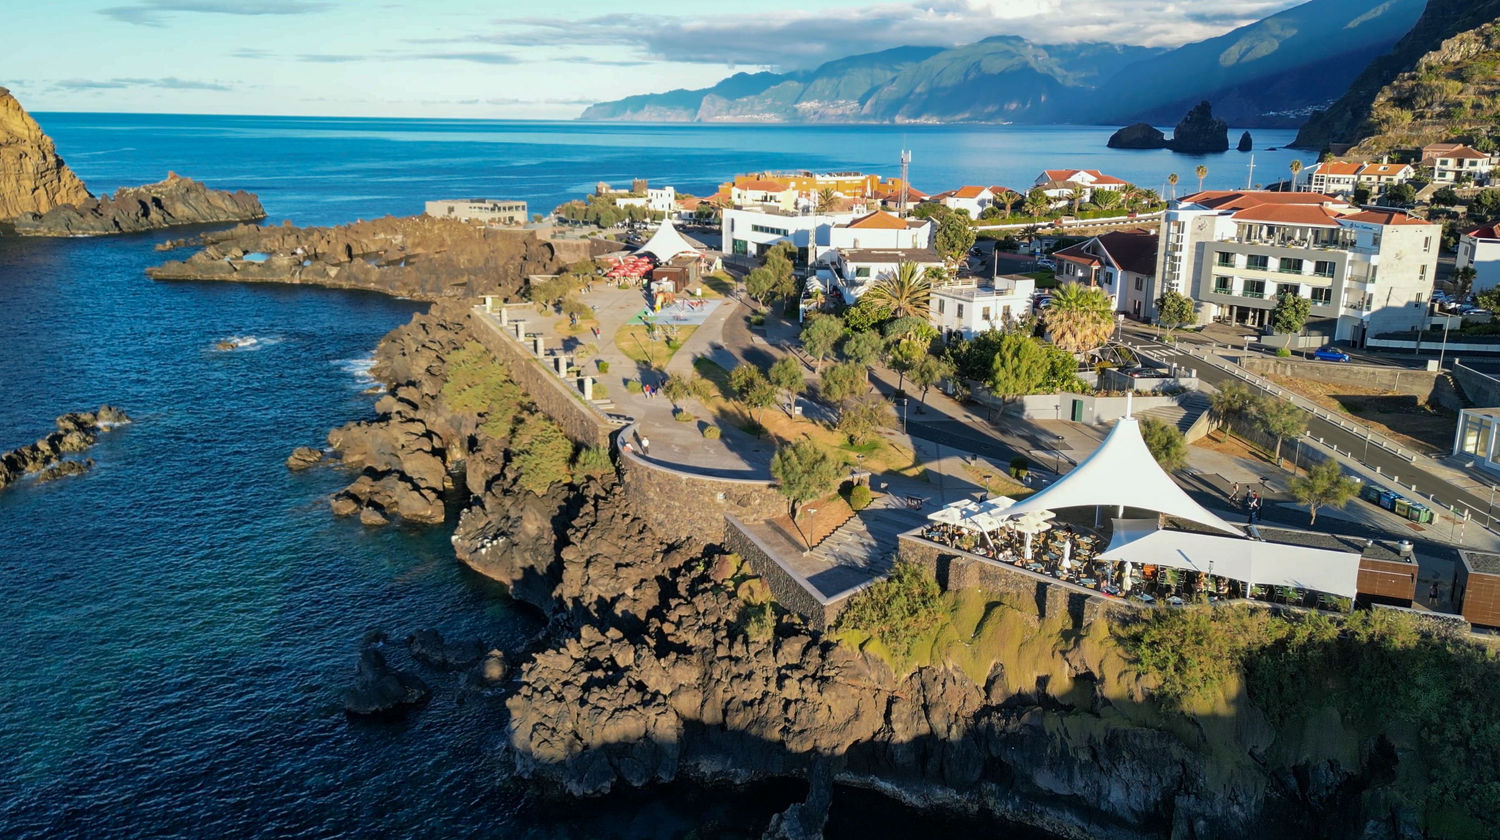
33 179
1372 106
174 202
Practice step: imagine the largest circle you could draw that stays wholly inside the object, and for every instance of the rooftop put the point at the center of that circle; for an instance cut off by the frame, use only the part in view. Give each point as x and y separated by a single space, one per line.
968 192
879 220
1482 562
1376 550
1486 232
1465 153
1338 168
891 255
1385 217
1290 214
762 185
1132 250
1245 199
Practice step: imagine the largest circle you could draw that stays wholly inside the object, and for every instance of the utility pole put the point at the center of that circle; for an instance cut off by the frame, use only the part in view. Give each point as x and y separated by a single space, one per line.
905 179
1250 178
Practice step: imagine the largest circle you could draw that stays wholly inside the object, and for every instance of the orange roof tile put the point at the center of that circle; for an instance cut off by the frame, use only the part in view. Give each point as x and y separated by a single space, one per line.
1486 232
1385 217
879 220
1383 169
1245 199
762 185
1338 168
1289 214
1464 152
968 192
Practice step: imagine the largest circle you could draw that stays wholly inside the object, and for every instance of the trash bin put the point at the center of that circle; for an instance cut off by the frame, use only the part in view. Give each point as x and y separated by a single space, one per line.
1370 493
1403 507
1419 513
1388 500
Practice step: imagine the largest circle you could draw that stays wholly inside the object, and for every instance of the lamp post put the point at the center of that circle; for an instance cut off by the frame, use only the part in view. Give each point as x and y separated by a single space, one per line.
1057 457
1444 349
1119 326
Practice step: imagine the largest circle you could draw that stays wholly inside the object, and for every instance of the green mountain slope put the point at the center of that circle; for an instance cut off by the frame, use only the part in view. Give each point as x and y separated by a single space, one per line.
1270 72
1435 82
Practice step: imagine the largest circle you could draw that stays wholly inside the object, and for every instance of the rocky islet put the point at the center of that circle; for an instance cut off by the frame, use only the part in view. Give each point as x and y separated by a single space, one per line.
76 432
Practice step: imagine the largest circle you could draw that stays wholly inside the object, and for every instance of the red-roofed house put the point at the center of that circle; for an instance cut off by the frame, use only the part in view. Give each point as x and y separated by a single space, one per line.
1059 184
1334 177
1378 176
970 199
1123 263
1462 162
1366 272
1480 249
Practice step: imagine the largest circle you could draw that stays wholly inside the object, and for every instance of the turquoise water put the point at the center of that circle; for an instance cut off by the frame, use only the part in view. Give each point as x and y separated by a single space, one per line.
180 621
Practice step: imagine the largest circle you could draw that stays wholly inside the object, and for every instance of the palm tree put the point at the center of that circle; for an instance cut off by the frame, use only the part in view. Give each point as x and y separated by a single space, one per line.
827 199
1172 182
904 292
1037 204
1107 199
1201 172
1008 199
1075 195
1296 167
1079 318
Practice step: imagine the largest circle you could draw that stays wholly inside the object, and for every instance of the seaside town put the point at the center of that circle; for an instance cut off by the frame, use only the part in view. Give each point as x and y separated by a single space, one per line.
1077 380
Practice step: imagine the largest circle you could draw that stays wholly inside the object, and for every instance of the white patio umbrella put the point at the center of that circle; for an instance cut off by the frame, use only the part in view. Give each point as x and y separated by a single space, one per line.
947 516
1067 556
982 522
1031 524
1125 581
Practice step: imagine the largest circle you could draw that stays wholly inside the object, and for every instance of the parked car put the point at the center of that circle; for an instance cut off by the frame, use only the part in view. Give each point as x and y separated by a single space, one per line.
1329 353
1045 262
1473 310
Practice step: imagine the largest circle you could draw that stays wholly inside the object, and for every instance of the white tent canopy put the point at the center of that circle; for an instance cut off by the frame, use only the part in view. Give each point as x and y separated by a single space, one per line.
666 243
1122 473
1251 561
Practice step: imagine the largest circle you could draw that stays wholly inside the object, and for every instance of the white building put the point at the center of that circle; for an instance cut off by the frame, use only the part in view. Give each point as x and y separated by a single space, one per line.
852 271
662 200
972 200
1365 272
1378 176
1451 165
1059 184
1334 177
879 229
968 310
1122 263
485 210
1480 248
750 232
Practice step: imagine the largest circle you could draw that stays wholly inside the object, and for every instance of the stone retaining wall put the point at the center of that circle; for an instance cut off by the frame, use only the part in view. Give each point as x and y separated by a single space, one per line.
1418 383
682 505
582 423
955 570
789 592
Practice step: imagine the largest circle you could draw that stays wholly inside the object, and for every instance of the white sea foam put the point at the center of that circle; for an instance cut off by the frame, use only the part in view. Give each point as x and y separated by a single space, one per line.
360 370
246 342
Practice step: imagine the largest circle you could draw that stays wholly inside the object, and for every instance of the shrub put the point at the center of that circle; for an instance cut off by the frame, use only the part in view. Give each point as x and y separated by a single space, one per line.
758 621
753 428
603 366
541 454
600 392
898 610
683 416
1019 467
633 386
1283 353
859 497
711 432
592 460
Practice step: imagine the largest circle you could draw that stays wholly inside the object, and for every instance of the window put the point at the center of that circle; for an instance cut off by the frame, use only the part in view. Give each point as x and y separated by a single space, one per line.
1224 285
1226 259
740 247
1373 270
1322 297
771 230
1005 312
984 314
940 306
1140 283
862 272
1291 265
1323 268
1257 262
960 312
1422 272
1427 244
1254 289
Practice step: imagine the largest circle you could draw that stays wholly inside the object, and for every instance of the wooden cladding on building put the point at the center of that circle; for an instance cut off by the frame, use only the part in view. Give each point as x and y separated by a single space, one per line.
1387 581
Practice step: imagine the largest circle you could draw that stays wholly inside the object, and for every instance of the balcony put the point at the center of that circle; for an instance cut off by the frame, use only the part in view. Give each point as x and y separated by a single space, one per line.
1253 294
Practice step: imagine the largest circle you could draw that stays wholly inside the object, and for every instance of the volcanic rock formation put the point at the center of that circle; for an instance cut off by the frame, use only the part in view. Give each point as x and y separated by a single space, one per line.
33 179
174 202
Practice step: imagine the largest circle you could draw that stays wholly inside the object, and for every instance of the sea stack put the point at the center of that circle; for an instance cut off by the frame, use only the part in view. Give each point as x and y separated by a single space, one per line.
1200 132
1246 143
33 179
1138 136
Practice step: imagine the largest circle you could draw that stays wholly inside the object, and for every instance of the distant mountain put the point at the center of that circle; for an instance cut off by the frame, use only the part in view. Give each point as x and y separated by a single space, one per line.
1271 72
1438 82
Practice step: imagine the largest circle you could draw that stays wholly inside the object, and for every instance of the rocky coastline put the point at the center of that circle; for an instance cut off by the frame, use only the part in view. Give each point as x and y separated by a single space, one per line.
41 196
649 672
1199 132
77 431
418 257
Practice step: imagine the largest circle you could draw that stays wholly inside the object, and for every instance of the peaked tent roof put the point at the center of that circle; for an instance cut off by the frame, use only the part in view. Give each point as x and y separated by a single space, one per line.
1122 472
667 243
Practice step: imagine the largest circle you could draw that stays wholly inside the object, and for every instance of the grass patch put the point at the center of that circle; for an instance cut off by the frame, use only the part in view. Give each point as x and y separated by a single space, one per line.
715 374
635 341
1044 279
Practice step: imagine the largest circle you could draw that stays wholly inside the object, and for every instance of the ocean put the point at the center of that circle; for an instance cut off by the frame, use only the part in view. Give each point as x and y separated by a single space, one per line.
181 620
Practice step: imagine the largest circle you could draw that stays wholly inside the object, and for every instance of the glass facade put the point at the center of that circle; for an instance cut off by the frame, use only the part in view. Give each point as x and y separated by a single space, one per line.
1476 437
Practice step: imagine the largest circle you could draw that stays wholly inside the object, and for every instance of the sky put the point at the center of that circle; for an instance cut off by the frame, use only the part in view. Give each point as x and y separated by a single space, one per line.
503 59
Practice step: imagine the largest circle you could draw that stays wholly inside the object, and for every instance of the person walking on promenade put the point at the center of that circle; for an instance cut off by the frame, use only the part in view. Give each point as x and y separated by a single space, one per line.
1234 494
645 446
1253 505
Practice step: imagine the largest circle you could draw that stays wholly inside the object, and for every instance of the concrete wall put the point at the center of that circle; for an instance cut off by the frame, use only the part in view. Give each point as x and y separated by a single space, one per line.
818 612
1096 409
955 570
557 399
1481 388
1418 383
683 505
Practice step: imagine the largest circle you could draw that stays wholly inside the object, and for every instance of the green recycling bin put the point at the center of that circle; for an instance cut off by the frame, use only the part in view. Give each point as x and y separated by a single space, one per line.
1419 513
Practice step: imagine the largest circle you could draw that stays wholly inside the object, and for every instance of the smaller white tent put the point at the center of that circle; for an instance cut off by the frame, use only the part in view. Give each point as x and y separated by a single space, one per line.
1250 561
667 243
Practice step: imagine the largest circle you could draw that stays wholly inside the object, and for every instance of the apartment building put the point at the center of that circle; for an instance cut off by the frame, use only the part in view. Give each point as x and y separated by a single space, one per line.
966 310
1365 271
1448 167
487 211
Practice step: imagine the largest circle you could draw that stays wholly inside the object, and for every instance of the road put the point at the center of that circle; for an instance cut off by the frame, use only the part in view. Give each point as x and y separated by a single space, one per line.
1428 484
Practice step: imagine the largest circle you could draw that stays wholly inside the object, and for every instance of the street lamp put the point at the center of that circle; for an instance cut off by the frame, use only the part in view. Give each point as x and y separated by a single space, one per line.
1057 457
1119 325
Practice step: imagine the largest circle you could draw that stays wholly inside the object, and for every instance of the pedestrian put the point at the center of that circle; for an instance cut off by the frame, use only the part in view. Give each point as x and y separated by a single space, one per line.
645 446
1234 494
1432 596
1253 505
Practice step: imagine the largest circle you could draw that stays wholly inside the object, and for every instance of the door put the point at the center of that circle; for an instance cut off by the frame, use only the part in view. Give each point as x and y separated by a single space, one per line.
1077 411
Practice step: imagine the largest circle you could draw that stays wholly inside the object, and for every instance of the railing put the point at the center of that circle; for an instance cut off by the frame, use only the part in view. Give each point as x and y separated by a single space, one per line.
1249 294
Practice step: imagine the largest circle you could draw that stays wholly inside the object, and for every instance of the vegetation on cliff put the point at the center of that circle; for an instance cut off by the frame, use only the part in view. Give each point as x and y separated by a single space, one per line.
1409 95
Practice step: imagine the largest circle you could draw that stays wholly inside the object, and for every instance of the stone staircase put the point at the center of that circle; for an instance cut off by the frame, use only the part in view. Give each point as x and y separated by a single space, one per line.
868 540
1190 406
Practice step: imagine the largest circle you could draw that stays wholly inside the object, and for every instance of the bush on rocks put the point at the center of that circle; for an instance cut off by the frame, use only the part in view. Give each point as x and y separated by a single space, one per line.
711 432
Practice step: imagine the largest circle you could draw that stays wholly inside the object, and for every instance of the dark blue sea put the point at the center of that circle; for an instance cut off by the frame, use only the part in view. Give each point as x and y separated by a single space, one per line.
178 624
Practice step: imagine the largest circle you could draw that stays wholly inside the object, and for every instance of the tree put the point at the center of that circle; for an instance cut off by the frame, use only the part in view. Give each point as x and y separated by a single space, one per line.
929 371
828 199
1107 199
820 335
1445 197
676 389
1202 172
1290 314
1076 195
907 291
1280 418
1325 484
1296 167
1007 198
760 284
1166 444
954 237
786 375
1172 182
1463 281
862 348
541 454
1361 194
1037 203
843 382
1401 195
1018 367
1079 318
752 388
1173 309
868 314
803 472
864 416
1231 401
